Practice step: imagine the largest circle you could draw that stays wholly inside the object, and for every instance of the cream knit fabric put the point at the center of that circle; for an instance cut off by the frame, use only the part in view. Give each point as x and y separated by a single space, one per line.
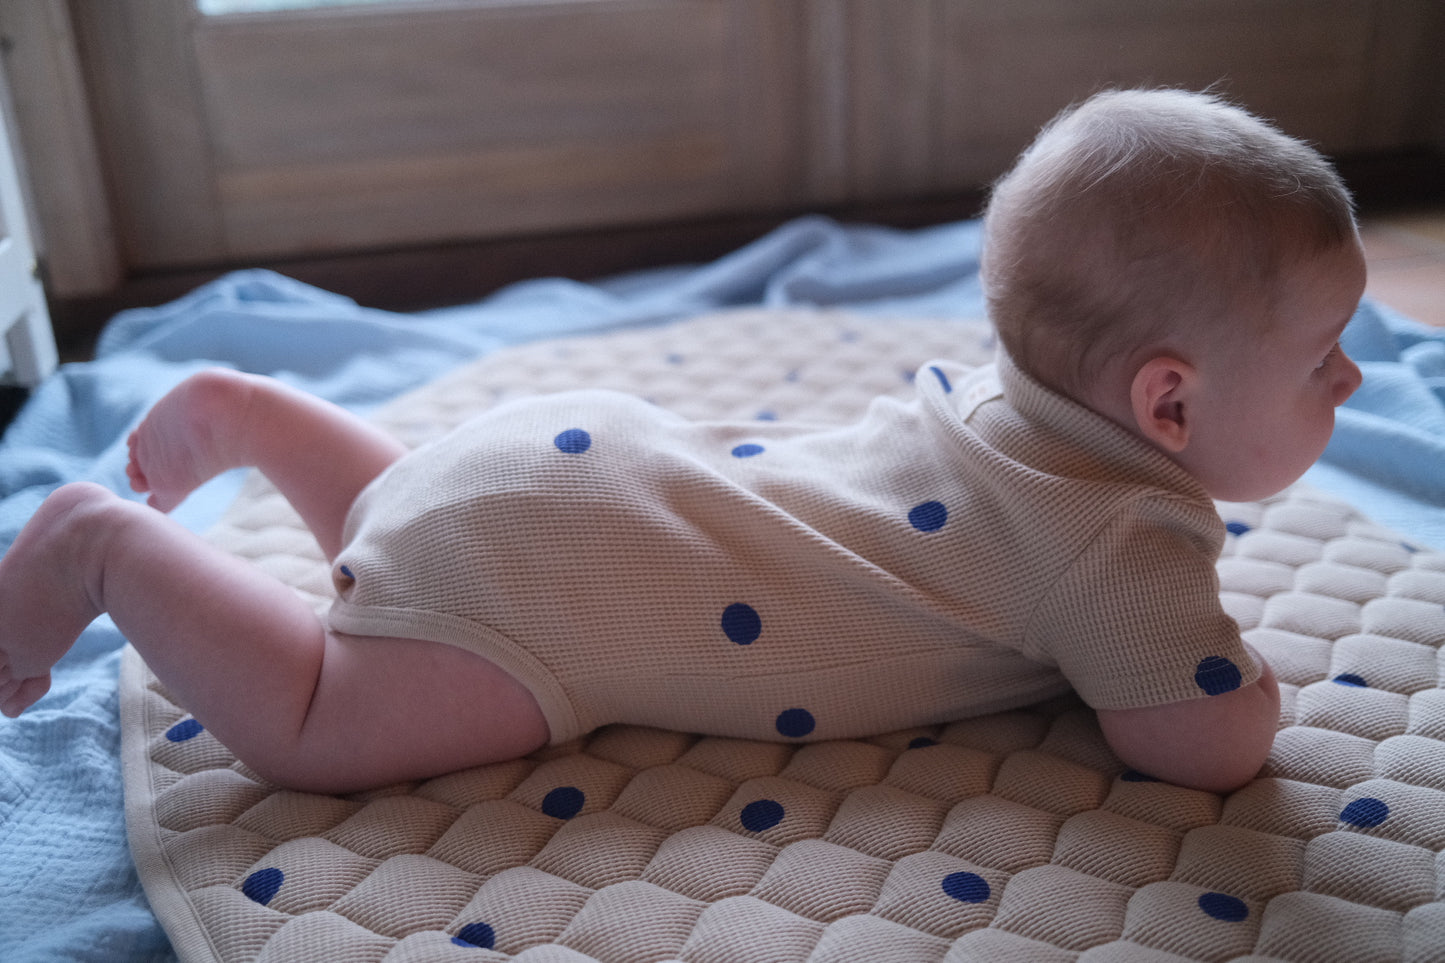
984 546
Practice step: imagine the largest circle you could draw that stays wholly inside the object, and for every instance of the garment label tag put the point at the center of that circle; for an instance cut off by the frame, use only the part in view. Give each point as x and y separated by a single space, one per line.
979 386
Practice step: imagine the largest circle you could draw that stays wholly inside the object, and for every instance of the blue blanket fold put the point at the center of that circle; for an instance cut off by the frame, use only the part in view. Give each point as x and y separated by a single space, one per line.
68 889
1387 455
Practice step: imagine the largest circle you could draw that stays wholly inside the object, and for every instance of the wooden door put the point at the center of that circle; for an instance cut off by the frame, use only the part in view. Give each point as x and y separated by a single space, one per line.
254 136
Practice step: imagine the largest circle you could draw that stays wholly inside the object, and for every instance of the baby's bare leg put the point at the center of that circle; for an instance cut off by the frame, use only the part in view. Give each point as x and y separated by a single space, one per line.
43 607
307 708
318 455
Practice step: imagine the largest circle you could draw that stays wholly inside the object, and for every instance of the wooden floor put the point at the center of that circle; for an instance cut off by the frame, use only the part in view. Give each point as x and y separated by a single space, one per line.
1406 255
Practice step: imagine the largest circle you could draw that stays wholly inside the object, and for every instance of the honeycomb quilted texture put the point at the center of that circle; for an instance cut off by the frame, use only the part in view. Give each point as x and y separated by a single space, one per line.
1014 837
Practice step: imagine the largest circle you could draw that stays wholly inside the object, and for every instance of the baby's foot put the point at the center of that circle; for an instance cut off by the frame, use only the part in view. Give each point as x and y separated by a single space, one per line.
46 588
189 437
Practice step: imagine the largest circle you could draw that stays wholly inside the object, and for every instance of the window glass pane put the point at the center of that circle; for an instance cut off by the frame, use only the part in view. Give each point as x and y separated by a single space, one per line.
267 6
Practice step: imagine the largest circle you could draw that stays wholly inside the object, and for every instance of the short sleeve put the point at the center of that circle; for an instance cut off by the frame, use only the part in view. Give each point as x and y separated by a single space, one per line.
1136 619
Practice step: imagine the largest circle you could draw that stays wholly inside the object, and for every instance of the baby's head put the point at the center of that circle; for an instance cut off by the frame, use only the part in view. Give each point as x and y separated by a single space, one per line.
1162 224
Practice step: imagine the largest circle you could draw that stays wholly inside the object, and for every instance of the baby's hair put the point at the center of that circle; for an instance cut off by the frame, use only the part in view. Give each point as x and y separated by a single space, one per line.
1143 216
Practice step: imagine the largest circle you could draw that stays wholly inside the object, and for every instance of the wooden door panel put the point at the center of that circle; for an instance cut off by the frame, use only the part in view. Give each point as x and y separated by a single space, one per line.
977 79
371 128
1302 61
233 139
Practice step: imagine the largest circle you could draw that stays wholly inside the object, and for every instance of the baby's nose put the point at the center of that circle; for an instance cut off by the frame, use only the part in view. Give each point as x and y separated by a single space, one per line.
1348 381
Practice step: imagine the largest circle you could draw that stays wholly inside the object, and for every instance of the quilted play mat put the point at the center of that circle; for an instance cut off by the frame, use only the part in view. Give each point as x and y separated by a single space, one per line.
1012 837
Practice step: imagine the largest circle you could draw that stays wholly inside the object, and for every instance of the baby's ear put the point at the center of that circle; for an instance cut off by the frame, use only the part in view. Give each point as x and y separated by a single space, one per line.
1160 399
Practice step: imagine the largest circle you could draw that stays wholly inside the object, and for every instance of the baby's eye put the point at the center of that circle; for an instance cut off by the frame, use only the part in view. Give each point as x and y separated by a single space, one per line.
1334 350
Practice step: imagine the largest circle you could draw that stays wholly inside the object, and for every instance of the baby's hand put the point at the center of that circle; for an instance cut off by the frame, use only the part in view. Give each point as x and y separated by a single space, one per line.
1216 743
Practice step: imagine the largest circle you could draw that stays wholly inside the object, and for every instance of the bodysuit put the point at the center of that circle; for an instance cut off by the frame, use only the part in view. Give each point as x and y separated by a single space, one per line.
985 545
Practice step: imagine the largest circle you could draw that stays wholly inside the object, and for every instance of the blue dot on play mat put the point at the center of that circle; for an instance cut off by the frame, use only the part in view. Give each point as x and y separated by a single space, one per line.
564 802
795 723
478 935
1236 528
1217 675
1366 812
966 887
262 885
185 729
760 815
1350 679
573 441
928 517
747 451
741 623
1222 906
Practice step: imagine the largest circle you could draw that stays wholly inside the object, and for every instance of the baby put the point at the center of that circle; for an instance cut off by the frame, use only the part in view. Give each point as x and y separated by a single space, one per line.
1169 277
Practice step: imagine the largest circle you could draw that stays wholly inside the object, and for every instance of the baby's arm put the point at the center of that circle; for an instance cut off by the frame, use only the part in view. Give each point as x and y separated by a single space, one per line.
1216 743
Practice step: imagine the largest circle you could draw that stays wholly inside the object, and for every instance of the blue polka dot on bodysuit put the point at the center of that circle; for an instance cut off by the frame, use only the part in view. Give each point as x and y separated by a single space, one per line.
942 378
263 885
564 802
573 441
184 730
1366 812
1222 906
1350 679
795 723
761 814
1217 675
966 887
741 623
476 935
747 450
1236 528
928 517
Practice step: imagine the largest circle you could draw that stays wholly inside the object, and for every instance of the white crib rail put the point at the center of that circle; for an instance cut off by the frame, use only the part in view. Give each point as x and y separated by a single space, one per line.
27 344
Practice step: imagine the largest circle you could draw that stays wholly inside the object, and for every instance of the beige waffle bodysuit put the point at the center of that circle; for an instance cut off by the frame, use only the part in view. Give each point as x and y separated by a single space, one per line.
983 546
